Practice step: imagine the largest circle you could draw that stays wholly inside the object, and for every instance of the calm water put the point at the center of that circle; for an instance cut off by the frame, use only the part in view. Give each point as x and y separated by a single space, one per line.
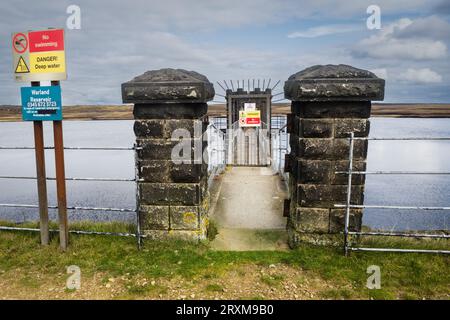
381 190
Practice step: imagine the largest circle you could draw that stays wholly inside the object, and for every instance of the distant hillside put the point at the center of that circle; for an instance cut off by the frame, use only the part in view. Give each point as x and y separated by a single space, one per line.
125 112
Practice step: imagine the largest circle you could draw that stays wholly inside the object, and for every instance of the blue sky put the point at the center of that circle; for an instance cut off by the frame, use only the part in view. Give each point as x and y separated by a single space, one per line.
238 40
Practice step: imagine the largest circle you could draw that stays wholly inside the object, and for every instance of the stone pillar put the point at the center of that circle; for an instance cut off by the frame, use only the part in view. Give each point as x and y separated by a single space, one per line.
172 197
328 103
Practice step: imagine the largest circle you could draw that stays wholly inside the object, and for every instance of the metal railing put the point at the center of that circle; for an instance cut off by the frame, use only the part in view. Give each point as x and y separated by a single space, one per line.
280 147
348 206
138 235
216 165
216 152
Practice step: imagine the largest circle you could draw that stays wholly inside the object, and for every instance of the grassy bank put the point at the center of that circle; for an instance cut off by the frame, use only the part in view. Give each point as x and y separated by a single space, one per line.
113 268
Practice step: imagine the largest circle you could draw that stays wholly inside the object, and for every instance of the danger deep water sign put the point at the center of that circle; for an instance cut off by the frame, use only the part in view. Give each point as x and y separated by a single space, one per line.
39 55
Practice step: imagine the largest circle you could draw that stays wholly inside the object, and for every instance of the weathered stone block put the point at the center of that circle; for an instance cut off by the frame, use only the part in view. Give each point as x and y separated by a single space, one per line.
330 149
311 220
164 128
195 128
166 171
343 128
313 171
169 193
155 149
315 128
185 172
332 109
168 85
182 150
326 196
339 178
170 111
337 220
335 83
154 217
324 172
149 128
154 170
184 217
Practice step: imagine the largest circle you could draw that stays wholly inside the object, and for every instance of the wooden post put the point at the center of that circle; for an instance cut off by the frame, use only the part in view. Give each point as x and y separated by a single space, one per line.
41 177
60 181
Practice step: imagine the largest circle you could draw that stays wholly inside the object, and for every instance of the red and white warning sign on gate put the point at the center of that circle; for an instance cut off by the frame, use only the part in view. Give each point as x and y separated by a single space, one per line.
250 118
39 55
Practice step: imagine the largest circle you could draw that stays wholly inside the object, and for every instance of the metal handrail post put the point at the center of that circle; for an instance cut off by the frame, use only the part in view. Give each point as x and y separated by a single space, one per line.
138 219
349 194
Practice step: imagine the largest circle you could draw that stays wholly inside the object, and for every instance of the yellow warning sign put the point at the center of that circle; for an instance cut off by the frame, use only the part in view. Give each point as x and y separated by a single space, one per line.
38 55
44 62
21 66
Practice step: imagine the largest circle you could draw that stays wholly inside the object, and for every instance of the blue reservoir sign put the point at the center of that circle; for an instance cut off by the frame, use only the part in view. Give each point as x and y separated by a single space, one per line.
41 103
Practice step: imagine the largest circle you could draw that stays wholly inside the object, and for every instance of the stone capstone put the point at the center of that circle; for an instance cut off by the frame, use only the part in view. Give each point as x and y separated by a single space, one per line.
168 86
334 83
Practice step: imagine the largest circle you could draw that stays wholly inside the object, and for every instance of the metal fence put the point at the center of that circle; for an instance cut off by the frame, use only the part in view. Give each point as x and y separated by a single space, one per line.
216 164
348 206
216 152
280 147
137 235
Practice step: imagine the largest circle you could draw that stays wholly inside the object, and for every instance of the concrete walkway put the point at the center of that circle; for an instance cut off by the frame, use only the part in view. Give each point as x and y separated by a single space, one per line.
249 210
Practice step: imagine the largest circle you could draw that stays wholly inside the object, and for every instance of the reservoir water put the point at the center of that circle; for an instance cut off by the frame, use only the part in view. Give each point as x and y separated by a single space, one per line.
404 190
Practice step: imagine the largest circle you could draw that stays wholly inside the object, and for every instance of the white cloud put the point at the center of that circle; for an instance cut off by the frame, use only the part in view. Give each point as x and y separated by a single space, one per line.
432 27
380 73
323 31
424 75
388 44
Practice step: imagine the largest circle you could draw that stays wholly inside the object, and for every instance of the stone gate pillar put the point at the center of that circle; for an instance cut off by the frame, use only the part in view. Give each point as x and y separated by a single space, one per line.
328 102
172 196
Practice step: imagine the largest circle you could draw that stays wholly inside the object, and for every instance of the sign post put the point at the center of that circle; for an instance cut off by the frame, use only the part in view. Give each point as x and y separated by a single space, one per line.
60 181
39 56
41 177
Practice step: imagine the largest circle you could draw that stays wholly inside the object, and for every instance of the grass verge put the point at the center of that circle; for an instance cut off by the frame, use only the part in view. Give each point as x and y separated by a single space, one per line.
182 270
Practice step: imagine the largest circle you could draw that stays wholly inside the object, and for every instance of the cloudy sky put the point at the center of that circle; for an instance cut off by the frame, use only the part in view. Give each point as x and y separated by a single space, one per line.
238 39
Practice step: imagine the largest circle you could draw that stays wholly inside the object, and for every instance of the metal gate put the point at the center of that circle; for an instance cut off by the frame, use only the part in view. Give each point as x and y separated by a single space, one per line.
248 146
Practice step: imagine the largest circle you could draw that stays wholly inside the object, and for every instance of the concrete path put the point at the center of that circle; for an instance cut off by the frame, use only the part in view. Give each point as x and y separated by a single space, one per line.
249 210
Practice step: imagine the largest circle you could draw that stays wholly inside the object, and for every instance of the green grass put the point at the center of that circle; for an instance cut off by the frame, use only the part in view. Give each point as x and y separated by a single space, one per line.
404 276
214 287
272 280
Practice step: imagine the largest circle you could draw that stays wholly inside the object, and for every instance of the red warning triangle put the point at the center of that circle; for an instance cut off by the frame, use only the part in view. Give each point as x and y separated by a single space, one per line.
22 66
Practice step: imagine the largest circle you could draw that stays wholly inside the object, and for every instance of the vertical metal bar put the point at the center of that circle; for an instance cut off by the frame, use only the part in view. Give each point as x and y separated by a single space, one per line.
279 149
349 194
60 181
41 177
138 216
